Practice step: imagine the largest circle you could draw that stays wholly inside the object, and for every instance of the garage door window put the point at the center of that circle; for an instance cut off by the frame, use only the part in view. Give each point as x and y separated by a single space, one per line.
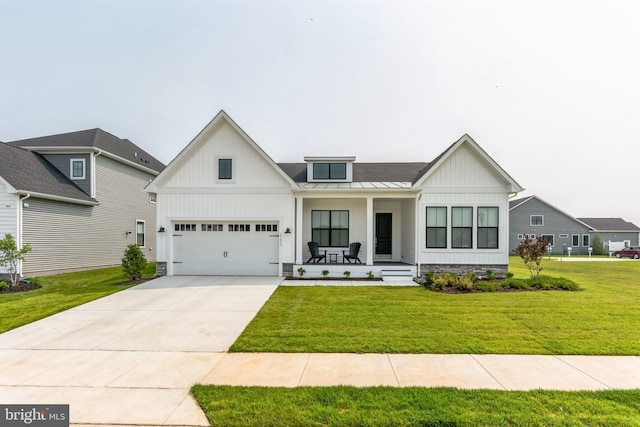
185 227
212 227
267 227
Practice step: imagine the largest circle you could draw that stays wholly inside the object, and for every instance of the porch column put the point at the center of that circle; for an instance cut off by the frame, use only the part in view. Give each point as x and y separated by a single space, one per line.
298 230
370 236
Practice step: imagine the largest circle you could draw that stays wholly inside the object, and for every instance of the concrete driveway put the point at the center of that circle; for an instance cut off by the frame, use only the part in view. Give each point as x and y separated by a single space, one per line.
131 357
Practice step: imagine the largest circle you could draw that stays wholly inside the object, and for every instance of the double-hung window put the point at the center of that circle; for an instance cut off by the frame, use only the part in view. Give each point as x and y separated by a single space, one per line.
78 169
461 227
140 233
536 220
436 227
488 228
330 228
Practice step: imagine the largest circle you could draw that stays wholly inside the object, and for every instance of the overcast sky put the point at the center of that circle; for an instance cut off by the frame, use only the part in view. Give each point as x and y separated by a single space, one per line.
550 89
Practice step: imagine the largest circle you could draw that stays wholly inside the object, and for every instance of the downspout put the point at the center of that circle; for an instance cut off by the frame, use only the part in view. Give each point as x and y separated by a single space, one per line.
93 172
19 228
417 231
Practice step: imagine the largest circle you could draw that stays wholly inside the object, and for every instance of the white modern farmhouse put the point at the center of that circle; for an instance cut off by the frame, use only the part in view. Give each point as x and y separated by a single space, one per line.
224 207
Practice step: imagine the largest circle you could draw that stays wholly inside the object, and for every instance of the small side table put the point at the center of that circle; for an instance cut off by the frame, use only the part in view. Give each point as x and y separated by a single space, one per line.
333 258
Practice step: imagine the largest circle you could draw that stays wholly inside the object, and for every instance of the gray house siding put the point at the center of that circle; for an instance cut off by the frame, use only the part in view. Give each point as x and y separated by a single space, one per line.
619 236
562 227
67 237
62 162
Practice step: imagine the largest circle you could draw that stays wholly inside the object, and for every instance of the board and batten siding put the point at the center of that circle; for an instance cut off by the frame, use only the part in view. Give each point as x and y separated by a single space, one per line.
67 236
465 180
276 206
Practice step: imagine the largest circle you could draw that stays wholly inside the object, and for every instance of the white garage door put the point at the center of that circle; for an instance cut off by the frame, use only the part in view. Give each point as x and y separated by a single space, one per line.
224 248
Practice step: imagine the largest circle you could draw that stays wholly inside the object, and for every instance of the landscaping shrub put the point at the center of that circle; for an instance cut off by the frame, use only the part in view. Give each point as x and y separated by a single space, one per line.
11 256
531 253
3 286
485 286
133 262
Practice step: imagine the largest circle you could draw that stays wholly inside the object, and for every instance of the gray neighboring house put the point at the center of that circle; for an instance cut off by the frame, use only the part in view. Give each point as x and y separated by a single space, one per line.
537 218
78 199
616 233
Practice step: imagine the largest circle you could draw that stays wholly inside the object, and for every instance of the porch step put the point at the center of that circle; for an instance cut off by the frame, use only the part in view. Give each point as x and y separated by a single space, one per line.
397 274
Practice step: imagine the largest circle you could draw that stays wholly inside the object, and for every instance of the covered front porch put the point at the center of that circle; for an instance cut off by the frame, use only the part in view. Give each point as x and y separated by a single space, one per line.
383 225
388 271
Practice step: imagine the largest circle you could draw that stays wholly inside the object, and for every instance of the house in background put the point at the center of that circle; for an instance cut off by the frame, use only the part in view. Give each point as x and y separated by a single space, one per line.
534 217
616 233
78 198
225 207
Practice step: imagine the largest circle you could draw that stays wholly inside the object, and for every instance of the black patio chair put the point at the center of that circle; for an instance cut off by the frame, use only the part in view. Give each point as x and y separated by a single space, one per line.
315 253
352 254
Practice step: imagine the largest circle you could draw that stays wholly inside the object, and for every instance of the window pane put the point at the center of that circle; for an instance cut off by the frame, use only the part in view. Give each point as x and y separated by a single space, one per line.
321 171
320 219
140 233
436 237
338 171
437 217
488 238
340 219
487 217
461 217
224 168
461 238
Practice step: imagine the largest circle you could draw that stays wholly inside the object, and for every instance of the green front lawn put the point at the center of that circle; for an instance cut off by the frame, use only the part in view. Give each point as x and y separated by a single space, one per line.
387 406
61 292
603 319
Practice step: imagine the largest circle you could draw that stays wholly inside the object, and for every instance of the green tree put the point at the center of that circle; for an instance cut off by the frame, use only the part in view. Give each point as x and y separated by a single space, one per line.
133 262
11 257
596 244
531 253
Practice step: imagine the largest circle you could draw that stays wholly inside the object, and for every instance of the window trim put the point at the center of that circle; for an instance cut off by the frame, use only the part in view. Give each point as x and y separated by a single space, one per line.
331 172
574 242
536 225
588 236
553 238
331 228
234 169
496 228
468 229
144 233
445 227
84 169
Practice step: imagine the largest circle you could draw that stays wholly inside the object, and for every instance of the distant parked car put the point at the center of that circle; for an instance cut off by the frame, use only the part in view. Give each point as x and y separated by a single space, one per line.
631 252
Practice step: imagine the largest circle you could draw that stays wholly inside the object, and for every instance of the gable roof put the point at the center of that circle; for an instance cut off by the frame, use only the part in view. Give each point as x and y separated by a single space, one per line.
120 149
26 172
201 139
513 204
610 224
467 140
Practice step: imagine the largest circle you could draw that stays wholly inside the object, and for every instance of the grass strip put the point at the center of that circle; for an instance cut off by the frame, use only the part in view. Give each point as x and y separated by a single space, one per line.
412 406
61 292
603 319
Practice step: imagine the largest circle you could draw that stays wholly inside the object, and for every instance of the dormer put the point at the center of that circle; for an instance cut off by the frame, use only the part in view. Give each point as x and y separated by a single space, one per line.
330 169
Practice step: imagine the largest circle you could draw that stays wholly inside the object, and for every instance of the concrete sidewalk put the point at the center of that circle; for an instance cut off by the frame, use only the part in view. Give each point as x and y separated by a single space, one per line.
502 372
132 357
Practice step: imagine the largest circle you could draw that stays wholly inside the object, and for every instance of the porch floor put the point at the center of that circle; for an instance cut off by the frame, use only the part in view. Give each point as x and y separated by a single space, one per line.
358 271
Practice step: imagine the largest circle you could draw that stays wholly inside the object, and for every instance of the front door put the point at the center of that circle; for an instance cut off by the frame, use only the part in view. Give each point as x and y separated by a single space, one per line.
383 234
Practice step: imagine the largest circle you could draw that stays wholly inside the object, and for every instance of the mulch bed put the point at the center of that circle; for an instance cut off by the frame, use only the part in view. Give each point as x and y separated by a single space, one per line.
375 279
133 282
21 287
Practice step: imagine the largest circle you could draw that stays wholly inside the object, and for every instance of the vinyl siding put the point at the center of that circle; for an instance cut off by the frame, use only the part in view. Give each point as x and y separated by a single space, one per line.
62 162
554 223
8 213
67 236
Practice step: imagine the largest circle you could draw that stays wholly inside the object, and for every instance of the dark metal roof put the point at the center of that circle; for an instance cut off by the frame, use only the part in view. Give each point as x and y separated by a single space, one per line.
95 138
367 172
27 171
610 224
